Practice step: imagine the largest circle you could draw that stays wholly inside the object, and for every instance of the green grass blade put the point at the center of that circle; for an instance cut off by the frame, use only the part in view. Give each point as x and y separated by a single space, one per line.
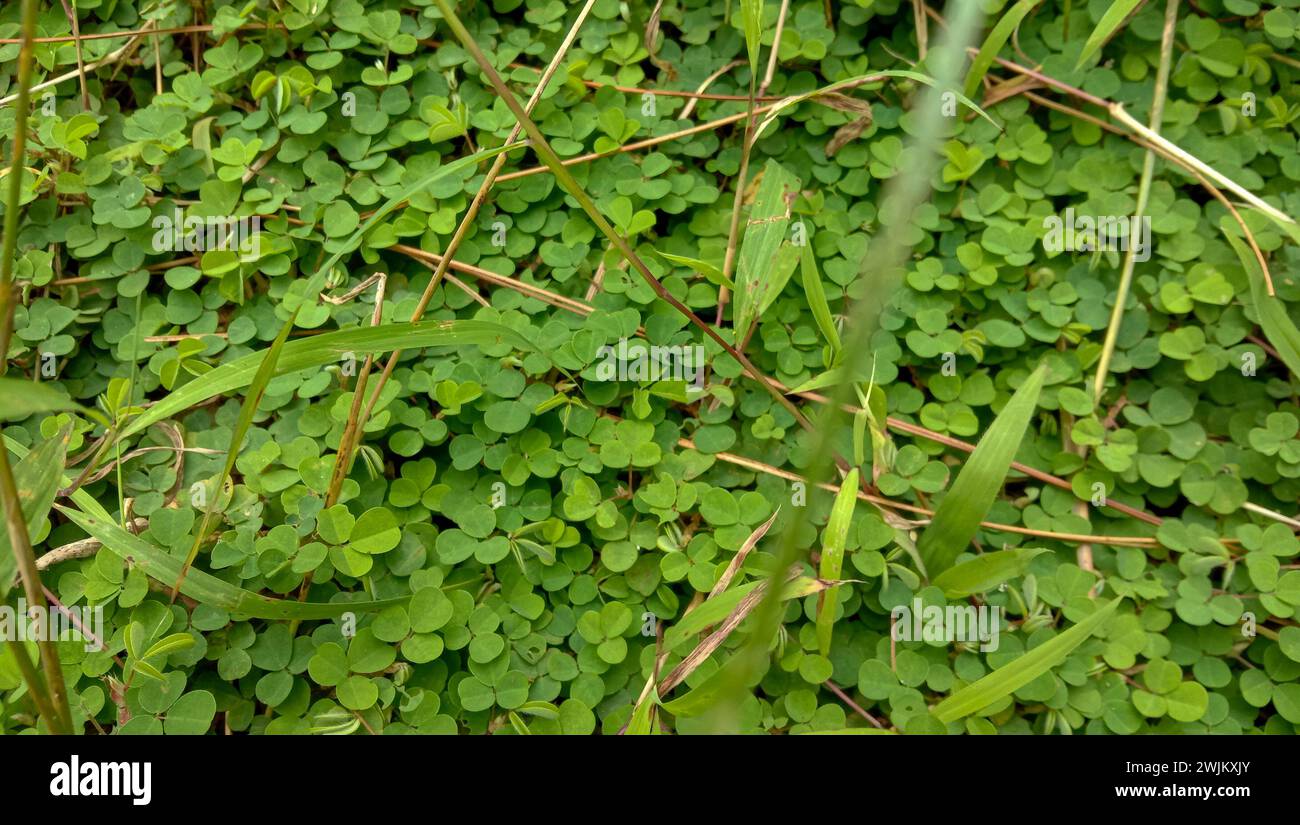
37 477
832 559
1273 319
759 278
985 572
1011 677
203 587
821 310
751 20
994 42
256 389
20 398
980 480
720 606
705 695
1106 27
328 348
642 721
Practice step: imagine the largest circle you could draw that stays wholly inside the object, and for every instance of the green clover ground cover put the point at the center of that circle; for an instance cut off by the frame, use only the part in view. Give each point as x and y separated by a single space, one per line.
490 532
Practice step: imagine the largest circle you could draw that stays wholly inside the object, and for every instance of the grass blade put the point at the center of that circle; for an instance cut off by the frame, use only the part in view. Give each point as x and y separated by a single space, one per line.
796 588
203 587
751 20
980 480
985 572
821 310
759 277
20 398
37 477
328 348
832 560
1011 677
994 42
1106 28
256 389
1273 318
642 721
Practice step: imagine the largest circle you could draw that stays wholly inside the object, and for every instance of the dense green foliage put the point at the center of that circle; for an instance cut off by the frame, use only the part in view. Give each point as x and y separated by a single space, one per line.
519 532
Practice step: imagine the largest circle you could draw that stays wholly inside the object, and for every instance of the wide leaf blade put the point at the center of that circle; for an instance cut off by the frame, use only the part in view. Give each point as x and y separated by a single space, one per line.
1106 27
985 572
328 348
37 476
993 44
205 588
1273 318
980 480
832 557
1011 677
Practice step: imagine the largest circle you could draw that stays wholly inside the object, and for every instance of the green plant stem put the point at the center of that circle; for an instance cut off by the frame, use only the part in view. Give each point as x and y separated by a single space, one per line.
733 233
14 203
566 180
1144 192
53 693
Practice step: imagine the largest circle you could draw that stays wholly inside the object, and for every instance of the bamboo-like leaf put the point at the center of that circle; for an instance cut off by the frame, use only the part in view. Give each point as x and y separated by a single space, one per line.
1012 676
37 477
1273 318
256 389
759 275
1106 27
832 560
971 495
751 20
20 398
993 44
985 572
821 311
327 348
203 587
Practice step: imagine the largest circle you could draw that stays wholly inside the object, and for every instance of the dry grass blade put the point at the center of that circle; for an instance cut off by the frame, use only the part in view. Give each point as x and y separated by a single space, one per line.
738 560
711 642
